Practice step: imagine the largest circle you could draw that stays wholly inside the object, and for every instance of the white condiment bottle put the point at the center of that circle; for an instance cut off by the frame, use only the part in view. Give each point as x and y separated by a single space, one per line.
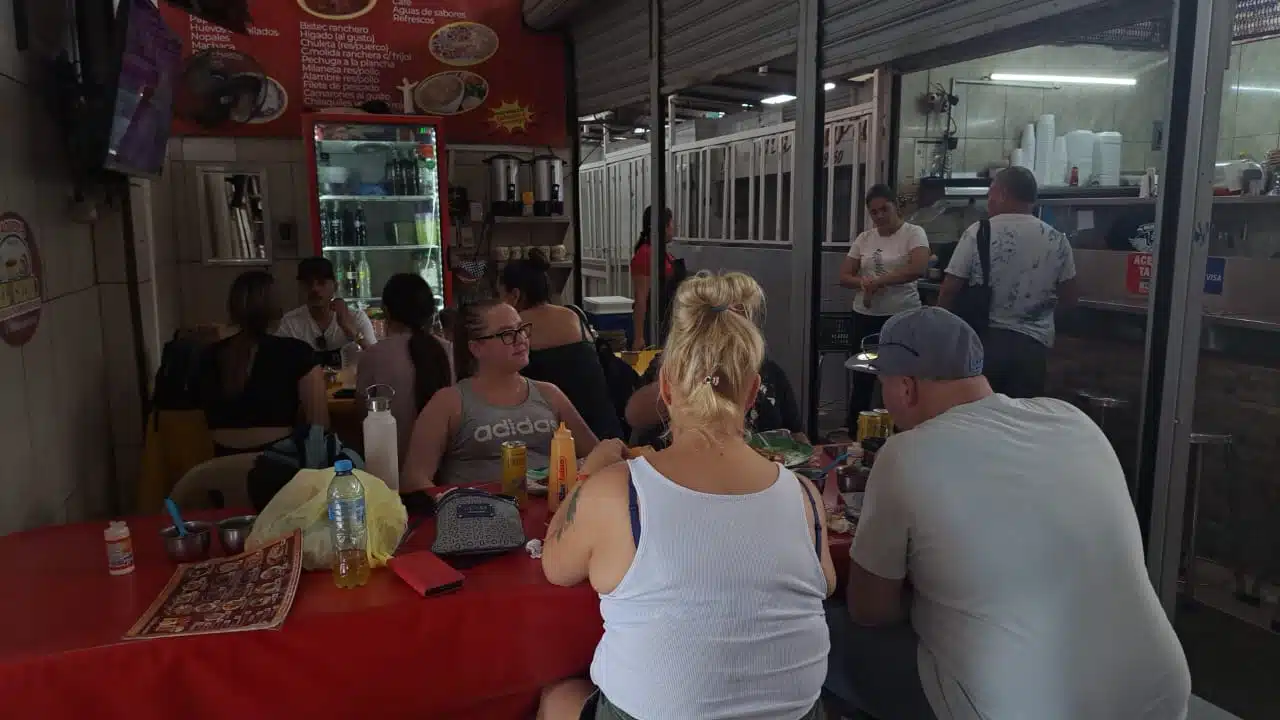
381 444
119 548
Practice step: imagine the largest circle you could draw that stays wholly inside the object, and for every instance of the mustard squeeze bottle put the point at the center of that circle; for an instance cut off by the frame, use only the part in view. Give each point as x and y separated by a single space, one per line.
564 467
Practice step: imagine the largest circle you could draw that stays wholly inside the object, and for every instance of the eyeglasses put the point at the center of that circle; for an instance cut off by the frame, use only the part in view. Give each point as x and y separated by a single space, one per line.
508 337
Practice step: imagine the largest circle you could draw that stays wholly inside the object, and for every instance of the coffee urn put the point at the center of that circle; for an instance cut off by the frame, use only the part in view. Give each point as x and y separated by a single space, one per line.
504 185
548 186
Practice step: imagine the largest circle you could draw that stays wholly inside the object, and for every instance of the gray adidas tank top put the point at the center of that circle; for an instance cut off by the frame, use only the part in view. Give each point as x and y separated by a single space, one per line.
475 450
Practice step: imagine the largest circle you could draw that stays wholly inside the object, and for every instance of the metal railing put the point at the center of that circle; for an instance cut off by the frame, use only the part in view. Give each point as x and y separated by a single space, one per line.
731 189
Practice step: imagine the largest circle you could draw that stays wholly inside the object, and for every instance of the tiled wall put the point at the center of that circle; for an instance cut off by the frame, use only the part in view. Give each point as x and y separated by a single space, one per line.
989 118
59 401
204 287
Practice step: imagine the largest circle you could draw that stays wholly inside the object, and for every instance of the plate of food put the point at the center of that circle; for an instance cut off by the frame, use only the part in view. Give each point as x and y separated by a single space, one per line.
778 446
452 92
463 43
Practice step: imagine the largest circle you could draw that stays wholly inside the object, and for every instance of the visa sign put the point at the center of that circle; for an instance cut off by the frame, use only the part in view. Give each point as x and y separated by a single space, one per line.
1139 267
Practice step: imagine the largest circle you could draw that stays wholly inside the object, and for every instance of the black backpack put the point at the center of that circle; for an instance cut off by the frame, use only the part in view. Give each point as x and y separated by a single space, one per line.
621 378
177 380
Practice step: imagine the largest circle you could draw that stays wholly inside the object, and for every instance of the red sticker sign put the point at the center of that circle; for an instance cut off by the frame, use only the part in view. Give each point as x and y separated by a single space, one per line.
1137 274
21 285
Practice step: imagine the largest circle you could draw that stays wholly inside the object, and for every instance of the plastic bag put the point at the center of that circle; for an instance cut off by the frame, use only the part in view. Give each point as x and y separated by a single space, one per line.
302 504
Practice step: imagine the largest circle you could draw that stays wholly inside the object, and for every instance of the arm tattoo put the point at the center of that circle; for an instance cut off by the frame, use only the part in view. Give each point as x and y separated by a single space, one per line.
569 512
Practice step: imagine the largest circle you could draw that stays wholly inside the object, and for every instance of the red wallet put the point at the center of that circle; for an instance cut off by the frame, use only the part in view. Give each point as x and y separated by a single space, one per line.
426 573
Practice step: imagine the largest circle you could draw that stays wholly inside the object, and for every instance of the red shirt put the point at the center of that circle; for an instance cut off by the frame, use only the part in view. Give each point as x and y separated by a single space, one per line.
640 261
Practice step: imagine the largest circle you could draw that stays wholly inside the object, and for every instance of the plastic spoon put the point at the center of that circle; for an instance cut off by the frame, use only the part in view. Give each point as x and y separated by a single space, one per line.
172 507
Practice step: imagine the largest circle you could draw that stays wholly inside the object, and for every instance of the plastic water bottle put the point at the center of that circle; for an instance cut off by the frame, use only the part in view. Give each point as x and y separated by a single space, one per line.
346 523
381 442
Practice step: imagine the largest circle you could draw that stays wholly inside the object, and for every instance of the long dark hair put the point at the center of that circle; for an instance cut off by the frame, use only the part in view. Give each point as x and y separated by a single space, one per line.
529 276
468 326
251 305
646 227
408 300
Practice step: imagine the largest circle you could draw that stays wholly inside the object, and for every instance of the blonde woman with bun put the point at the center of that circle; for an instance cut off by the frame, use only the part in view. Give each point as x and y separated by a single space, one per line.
711 562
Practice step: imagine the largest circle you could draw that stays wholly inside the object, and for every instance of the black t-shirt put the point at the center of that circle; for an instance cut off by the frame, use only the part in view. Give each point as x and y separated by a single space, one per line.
775 407
270 395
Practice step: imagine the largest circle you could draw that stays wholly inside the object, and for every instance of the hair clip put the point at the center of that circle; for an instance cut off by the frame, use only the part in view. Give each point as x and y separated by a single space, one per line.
736 307
712 380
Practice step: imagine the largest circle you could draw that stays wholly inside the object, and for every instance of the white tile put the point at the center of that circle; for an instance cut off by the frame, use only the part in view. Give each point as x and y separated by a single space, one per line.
984 111
15 443
108 246
1023 105
124 401
269 150
209 149
1255 147
914 123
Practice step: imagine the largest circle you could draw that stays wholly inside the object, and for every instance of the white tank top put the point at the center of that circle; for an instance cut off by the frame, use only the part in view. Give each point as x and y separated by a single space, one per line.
720 614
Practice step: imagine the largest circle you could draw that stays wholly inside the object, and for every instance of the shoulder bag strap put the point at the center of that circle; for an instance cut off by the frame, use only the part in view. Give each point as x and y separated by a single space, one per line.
984 250
817 519
587 332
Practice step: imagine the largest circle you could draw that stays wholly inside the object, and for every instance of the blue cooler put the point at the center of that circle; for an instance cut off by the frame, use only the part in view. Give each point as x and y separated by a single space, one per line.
612 316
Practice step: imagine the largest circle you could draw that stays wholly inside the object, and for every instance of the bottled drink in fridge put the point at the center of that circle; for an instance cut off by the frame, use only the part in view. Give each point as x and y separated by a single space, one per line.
326 237
335 224
347 219
346 524
364 279
361 232
351 278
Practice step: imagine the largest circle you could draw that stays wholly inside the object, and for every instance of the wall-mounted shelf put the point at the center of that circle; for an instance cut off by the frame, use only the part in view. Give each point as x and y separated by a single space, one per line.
531 219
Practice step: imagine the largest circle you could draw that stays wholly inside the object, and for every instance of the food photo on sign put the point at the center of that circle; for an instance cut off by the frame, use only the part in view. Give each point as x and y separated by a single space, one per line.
471 63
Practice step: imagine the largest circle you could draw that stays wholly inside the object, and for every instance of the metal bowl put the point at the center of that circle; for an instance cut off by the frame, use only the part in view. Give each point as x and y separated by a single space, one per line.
192 547
233 531
815 476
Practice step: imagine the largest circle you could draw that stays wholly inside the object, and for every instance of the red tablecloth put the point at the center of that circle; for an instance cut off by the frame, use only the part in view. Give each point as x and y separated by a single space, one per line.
482 652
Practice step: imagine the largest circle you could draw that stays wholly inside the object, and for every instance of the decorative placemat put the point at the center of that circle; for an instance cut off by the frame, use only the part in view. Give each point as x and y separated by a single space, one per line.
250 591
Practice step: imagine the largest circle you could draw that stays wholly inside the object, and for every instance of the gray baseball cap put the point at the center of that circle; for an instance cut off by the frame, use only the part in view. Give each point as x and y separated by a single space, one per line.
928 343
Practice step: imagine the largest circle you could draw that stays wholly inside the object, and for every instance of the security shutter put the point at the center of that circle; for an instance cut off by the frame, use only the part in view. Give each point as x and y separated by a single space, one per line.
918 34
611 54
705 39
548 14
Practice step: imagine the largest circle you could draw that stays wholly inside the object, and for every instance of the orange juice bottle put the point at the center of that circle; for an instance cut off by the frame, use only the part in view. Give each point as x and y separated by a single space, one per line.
564 467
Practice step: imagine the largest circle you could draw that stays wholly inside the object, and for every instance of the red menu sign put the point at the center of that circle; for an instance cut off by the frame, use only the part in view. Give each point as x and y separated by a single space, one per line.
470 62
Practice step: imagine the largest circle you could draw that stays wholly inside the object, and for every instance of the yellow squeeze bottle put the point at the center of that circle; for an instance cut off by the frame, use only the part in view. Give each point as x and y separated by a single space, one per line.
564 467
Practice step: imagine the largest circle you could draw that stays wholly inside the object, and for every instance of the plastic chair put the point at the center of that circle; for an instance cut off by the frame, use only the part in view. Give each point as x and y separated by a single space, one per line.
218 483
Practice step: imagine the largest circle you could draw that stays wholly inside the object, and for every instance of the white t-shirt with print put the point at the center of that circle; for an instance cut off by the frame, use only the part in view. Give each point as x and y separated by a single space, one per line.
1012 520
1029 258
879 255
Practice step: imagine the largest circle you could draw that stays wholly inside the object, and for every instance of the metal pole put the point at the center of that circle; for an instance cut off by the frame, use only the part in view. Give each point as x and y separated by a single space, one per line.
575 164
657 175
1199 53
806 255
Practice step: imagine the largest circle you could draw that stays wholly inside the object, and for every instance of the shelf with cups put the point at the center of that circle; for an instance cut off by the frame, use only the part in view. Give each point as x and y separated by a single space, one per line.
531 219
366 248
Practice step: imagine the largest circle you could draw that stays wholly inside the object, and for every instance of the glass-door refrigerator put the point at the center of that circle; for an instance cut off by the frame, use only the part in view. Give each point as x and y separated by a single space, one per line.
378 202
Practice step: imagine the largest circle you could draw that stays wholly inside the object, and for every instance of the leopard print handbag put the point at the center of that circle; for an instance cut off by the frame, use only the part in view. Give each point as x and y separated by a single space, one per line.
470 521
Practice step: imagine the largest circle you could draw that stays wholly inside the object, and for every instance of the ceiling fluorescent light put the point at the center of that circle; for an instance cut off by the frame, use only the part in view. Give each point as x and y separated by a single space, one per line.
778 99
640 131
862 78
829 86
1064 79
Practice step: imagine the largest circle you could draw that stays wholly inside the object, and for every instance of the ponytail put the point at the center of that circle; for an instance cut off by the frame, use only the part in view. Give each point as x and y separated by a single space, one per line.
431 366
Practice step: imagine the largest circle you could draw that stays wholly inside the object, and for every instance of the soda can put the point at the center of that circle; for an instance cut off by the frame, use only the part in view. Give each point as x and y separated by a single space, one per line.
515 457
886 423
868 425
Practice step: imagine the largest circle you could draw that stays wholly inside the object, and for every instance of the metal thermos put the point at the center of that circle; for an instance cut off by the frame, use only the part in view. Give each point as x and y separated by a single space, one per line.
548 185
504 185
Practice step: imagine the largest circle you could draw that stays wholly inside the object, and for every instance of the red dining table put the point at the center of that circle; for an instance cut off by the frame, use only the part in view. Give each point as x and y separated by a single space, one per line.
484 651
